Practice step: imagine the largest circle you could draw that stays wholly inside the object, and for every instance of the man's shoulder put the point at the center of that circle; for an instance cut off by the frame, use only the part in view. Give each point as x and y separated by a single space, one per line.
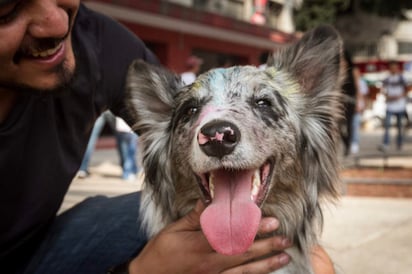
90 23
100 31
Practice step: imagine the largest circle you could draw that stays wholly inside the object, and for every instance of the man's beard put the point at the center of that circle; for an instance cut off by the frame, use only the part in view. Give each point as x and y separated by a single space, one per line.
62 71
64 77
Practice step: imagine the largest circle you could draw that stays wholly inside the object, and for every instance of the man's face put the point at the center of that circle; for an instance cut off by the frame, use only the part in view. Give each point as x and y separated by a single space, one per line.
35 46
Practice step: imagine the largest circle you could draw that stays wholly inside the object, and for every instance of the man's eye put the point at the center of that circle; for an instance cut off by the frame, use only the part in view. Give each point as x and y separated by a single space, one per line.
9 11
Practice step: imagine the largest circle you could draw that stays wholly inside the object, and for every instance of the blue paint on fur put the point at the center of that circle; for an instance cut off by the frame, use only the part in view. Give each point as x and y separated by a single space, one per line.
217 80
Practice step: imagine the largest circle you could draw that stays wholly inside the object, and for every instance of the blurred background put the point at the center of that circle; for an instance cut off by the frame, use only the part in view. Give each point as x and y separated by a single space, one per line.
234 32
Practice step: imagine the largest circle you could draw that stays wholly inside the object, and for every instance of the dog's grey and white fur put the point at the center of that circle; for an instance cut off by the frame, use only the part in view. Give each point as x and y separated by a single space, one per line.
283 119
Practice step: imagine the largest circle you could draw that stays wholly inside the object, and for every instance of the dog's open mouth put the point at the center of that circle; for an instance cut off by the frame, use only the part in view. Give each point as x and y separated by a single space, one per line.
258 181
231 219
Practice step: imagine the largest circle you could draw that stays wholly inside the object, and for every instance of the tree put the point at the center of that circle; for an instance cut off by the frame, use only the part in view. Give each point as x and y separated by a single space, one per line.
315 12
385 8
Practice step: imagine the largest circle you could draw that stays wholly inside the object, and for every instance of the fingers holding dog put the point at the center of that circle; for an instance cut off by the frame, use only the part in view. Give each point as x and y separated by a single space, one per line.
267 225
264 256
174 244
263 266
250 261
191 221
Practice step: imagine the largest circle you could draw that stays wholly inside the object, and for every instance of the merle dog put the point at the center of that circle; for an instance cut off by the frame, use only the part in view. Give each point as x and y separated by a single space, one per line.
249 142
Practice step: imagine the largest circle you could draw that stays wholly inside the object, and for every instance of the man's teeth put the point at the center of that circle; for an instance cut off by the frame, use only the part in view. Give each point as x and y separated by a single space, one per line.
46 53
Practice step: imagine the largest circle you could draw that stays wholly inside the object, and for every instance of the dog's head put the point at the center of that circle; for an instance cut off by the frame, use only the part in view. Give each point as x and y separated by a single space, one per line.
248 142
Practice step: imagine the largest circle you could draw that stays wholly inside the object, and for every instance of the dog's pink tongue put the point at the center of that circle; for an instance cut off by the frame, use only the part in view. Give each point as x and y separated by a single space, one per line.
231 221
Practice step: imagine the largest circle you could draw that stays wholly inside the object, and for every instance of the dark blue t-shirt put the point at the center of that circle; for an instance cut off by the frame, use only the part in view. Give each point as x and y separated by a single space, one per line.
44 137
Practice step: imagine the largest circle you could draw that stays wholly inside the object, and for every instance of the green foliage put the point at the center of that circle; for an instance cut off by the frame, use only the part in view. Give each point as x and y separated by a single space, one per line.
392 8
316 12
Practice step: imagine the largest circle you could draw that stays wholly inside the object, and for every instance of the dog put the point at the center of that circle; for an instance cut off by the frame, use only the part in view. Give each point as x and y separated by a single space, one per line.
248 142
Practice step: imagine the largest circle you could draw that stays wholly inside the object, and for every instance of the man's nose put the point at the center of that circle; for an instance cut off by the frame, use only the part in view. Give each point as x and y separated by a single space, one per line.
48 19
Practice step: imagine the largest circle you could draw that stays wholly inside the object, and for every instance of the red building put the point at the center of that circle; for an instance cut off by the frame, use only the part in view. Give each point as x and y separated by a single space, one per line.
174 32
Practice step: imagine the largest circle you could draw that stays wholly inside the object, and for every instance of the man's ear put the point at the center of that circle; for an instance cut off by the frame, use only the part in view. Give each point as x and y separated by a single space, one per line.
150 92
314 61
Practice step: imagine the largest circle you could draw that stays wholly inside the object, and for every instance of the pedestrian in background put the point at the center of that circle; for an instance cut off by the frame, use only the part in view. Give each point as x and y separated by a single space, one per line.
349 89
127 143
394 89
263 58
193 64
105 118
361 93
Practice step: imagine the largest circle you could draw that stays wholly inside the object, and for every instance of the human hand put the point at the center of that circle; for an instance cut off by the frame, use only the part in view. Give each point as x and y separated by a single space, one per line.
181 248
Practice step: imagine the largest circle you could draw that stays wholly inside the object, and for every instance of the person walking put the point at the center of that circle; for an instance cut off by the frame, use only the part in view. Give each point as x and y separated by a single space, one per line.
394 89
350 90
193 64
127 142
105 118
361 93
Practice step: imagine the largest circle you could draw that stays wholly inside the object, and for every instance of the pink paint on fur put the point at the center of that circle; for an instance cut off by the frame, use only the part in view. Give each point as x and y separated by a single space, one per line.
206 110
231 221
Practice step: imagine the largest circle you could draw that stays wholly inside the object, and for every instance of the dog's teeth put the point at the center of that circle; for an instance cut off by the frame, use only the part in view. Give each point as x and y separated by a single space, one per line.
255 185
211 186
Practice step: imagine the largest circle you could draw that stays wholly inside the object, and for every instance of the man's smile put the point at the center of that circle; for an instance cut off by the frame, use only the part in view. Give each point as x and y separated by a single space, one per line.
45 53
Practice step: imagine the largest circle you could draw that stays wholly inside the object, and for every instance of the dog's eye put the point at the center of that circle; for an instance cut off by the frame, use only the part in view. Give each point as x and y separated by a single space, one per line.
262 103
191 111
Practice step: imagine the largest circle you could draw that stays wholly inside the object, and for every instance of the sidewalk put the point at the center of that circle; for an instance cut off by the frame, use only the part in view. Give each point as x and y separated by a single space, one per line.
362 235
369 235
369 155
105 179
376 174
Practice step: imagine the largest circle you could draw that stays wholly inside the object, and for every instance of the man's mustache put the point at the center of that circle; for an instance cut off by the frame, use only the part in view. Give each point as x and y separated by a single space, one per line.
32 45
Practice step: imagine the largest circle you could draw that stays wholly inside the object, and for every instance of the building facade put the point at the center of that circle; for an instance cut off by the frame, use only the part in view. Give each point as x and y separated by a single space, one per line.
175 30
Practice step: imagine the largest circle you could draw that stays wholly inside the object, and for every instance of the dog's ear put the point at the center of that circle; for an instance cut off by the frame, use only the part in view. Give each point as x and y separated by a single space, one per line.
314 64
314 61
150 92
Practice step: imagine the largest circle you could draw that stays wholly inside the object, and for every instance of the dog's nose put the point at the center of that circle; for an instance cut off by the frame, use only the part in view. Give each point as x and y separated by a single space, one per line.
218 138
